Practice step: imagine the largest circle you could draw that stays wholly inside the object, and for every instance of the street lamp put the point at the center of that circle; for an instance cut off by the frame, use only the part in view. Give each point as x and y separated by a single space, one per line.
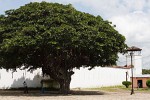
131 52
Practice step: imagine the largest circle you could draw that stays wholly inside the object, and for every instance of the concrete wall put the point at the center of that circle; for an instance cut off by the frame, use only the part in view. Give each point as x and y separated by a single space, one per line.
16 79
137 62
138 65
98 77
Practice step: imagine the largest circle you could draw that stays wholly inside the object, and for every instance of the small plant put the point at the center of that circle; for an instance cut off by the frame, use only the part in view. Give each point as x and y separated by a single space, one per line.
126 83
148 83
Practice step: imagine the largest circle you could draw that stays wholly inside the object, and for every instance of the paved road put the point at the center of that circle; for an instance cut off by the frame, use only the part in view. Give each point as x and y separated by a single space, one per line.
80 95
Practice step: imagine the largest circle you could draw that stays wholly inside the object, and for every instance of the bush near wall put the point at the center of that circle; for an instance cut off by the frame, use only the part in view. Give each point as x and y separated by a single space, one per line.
126 83
148 83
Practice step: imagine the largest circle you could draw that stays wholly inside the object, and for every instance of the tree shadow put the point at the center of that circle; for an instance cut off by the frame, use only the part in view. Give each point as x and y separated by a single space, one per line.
37 93
18 89
18 83
87 92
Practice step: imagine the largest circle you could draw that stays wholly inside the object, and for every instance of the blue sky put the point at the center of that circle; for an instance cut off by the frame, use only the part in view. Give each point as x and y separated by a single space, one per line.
132 18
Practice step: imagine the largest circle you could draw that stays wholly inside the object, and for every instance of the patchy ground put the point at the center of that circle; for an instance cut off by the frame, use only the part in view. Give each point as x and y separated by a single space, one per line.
76 95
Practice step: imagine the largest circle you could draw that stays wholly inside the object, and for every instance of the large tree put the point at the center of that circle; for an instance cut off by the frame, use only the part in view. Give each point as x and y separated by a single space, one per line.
57 38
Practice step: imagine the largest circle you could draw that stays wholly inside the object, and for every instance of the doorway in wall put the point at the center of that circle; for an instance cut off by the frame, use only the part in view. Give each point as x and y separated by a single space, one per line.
140 84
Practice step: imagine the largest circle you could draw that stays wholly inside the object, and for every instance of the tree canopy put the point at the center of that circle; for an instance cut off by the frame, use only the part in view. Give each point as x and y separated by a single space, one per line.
57 38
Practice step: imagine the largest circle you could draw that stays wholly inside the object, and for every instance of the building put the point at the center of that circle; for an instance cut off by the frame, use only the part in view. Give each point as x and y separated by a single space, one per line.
139 80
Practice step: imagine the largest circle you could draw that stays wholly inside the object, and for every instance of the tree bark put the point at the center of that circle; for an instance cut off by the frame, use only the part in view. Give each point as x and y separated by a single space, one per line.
65 85
63 79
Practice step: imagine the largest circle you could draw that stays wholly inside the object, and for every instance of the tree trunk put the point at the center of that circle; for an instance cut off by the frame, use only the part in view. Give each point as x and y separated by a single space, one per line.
65 85
63 79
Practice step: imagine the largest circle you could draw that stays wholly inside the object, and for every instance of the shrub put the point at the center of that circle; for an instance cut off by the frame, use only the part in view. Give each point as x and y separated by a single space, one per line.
148 83
126 83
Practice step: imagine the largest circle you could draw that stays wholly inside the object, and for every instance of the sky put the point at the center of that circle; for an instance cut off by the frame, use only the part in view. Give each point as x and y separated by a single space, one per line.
131 17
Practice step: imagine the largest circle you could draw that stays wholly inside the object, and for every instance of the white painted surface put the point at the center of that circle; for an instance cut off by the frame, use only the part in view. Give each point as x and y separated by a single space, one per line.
98 77
137 62
138 65
143 76
15 80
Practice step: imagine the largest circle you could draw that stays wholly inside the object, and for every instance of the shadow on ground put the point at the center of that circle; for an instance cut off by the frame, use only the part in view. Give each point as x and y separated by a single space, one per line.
47 93
82 92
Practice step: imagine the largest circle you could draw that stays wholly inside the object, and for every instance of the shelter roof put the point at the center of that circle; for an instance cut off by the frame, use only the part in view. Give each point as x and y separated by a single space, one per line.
142 76
133 48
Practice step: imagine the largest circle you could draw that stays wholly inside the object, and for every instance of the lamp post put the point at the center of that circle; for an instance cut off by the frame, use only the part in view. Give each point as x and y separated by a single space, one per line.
132 90
131 52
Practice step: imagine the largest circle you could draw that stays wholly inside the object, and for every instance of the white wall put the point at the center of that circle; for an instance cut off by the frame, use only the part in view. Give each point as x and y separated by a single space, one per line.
137 62
15 80
98 77
138 65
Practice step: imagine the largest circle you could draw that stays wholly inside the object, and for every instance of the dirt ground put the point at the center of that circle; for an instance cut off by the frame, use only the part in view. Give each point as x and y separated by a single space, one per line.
76 95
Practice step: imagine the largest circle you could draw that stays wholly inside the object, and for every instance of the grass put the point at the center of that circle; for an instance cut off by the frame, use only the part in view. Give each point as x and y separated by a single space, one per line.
143 89
109 88
119 88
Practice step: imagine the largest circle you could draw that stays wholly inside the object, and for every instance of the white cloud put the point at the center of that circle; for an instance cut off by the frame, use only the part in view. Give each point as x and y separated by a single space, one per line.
135 27
107 8
135 4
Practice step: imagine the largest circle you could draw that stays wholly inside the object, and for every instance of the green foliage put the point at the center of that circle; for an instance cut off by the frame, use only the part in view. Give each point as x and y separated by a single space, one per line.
126 83
145 71
56 38
55 29
148 83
